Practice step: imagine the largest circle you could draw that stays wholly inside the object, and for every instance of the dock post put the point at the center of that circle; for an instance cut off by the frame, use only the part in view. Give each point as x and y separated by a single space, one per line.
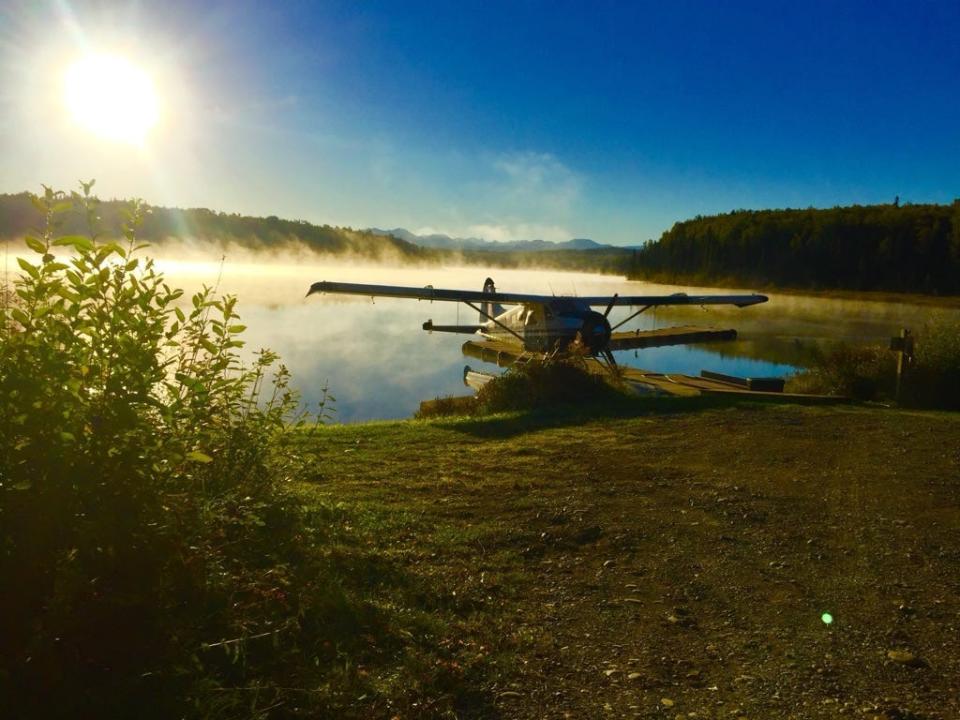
903 345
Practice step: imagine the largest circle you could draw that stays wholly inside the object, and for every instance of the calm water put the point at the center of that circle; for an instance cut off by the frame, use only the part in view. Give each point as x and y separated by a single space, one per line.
380 364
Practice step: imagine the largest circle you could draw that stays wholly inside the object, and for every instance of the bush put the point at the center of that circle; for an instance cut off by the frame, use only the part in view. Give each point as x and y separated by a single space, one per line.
863 373
147 542
869 373
931 380
547 383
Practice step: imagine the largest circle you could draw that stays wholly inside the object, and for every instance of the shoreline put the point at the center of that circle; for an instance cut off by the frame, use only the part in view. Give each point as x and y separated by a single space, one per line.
881 296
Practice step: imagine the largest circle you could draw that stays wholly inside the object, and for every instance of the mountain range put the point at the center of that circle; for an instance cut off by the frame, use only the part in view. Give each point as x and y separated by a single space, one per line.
445 242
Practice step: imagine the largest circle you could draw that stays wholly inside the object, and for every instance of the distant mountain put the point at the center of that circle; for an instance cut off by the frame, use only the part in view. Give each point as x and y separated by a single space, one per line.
445 242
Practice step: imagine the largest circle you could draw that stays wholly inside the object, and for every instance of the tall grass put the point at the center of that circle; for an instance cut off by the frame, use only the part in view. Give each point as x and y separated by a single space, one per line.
929 380
862 373
149 549
547 383
933 378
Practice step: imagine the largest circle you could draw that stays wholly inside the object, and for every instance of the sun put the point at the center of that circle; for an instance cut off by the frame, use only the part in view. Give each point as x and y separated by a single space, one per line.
111 97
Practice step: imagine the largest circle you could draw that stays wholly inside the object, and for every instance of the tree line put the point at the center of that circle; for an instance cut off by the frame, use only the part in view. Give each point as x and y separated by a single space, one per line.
19 217
892 247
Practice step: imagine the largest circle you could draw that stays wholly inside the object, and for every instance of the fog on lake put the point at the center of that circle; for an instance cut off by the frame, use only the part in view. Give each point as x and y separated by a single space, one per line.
379 363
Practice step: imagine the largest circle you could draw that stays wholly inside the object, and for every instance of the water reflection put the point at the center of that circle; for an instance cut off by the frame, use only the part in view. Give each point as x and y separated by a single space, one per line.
380 364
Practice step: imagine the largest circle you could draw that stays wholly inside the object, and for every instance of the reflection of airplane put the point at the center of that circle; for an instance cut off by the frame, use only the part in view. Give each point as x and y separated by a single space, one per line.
538 323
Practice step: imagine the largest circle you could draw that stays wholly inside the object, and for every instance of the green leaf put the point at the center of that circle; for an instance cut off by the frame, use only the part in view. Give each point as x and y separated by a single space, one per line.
28 268
197 456
76 241
35 244
237 328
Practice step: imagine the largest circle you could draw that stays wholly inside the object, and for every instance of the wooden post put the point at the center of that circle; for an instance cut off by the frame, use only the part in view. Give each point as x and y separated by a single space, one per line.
903 345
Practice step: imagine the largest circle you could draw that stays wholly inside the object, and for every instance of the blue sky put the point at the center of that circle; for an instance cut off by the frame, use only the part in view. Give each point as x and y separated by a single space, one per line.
608 120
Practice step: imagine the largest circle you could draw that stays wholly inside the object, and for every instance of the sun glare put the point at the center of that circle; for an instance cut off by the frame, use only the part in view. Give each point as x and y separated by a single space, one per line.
111 97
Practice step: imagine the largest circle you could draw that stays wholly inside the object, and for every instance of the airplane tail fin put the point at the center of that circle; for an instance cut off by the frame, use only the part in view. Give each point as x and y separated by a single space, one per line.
490 309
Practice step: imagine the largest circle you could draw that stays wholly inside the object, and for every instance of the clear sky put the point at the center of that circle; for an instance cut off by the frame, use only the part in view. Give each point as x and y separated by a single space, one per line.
506 120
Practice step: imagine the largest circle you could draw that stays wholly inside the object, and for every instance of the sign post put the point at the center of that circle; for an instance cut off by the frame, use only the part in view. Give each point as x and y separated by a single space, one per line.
903 346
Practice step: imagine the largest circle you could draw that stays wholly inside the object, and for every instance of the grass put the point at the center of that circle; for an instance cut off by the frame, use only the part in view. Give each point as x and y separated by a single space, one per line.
528 566
869 373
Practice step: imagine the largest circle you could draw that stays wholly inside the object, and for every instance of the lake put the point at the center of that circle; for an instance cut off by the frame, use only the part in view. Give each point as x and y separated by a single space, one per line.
379 363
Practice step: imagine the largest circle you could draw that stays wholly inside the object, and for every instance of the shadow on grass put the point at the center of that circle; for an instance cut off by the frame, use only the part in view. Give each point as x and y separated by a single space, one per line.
510 425
377 628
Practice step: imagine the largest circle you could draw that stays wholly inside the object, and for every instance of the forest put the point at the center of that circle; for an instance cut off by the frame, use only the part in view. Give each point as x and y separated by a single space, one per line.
19 217
909 248
897 248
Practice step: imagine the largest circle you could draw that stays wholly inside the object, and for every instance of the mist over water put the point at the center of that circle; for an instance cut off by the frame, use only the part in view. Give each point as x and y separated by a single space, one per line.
379 363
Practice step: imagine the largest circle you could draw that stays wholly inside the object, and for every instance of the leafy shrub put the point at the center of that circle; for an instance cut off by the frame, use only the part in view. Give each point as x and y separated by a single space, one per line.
546 383
869 373
931 380
863 373
148 547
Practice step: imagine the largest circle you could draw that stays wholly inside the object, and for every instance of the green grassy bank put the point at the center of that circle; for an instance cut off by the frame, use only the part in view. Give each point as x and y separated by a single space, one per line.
672 564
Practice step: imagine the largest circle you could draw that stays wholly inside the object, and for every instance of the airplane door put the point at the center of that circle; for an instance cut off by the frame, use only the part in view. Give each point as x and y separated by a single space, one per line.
534 329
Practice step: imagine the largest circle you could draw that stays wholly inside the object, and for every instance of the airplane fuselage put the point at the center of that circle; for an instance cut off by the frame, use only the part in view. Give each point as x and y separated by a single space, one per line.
543 327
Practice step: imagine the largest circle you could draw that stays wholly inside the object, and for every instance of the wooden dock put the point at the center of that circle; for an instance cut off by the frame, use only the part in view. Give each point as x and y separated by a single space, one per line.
678 385
647 382
505 354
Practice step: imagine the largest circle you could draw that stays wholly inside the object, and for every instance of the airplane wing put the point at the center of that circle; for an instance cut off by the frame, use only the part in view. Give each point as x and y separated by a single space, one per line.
431 293
424 293
676 299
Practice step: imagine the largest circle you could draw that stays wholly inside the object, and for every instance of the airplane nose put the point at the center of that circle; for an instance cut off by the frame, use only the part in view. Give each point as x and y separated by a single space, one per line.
595 332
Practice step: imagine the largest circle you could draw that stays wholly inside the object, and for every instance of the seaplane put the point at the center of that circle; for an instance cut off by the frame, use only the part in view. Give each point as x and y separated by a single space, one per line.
541 324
